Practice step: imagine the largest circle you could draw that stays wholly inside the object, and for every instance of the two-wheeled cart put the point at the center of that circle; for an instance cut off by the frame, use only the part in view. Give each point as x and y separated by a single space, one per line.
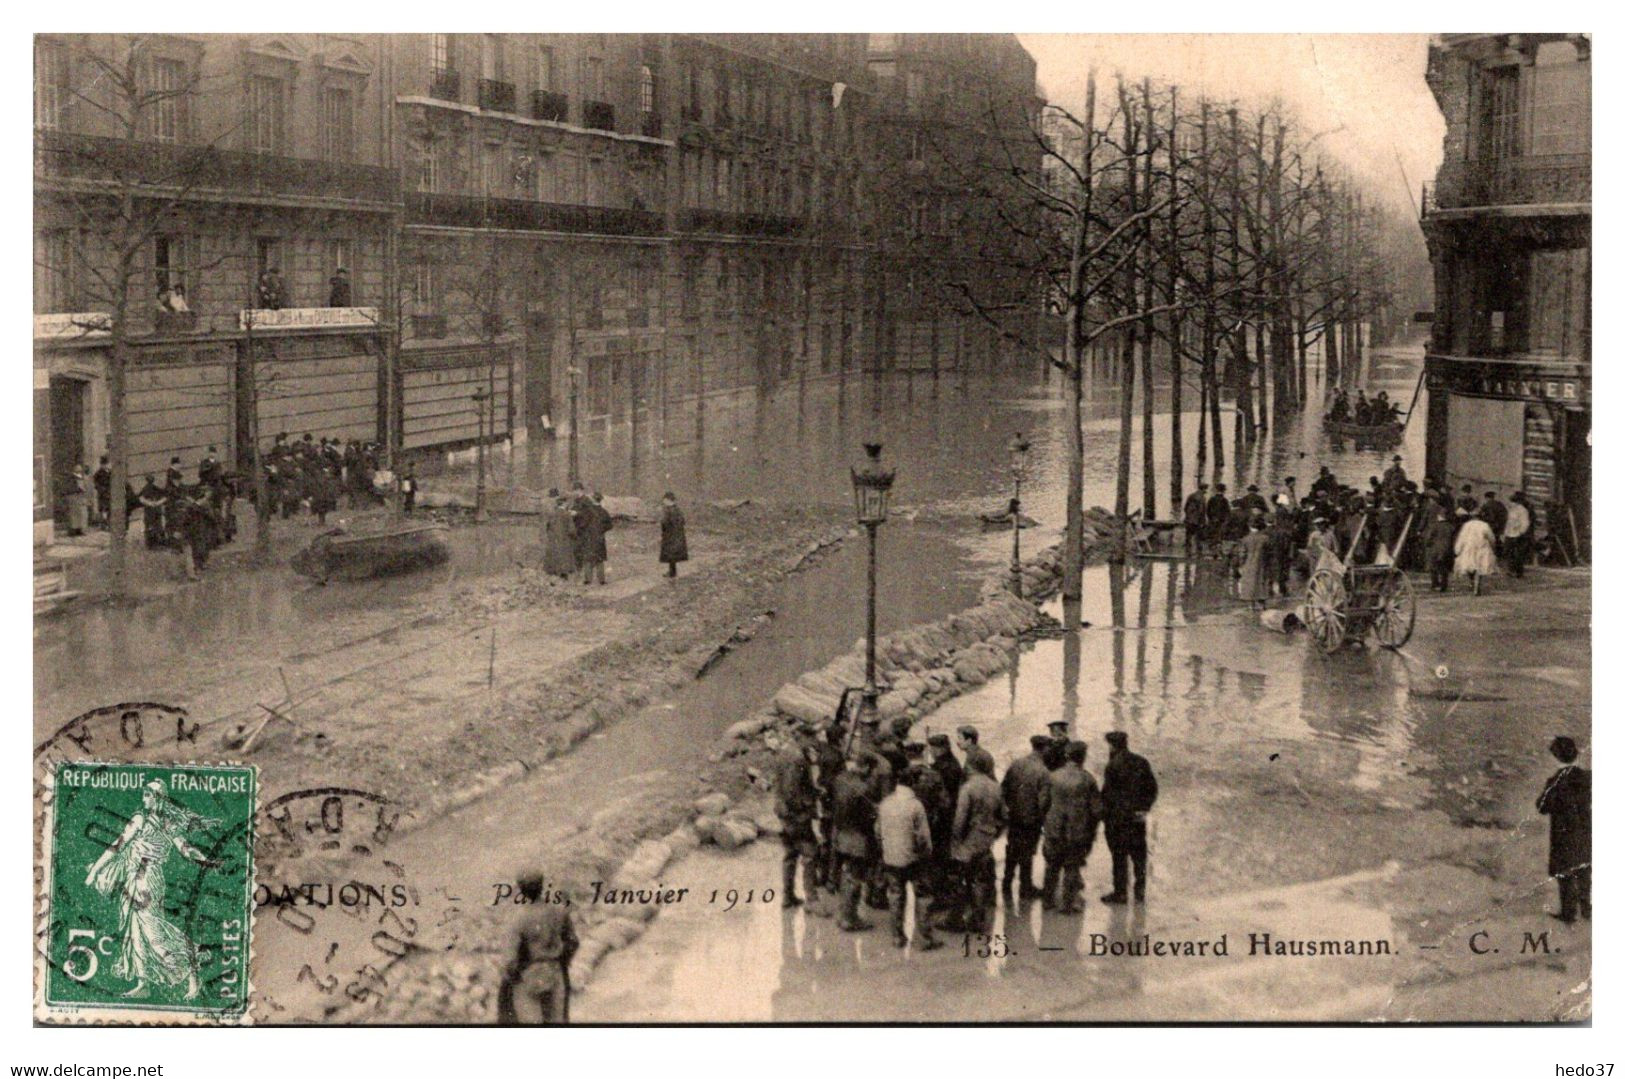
1346 602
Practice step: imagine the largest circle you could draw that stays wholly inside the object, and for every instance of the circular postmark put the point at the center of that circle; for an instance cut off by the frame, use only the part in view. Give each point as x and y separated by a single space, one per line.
337 915
147 878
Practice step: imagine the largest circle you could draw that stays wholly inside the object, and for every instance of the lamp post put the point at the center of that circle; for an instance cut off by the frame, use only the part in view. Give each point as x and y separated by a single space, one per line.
1018 470
480 398
871 493
575 453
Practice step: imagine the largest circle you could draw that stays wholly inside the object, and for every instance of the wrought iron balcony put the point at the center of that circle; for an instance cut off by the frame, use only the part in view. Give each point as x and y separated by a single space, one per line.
467 211
1526 180
598 114
445 84
650 125
549 105
428 325
497 95
731 223
174 321
175 167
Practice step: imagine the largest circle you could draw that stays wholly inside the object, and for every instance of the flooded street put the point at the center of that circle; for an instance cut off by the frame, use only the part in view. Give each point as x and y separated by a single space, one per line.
1304 798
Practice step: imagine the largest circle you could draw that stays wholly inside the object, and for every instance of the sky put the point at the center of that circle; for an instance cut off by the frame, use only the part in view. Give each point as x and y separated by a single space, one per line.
1365 90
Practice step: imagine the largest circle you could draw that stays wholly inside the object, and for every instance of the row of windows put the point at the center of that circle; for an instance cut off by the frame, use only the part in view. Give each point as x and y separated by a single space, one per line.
543 66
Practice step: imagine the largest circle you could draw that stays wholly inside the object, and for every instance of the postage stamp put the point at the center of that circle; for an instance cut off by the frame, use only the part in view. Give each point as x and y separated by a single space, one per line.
148 893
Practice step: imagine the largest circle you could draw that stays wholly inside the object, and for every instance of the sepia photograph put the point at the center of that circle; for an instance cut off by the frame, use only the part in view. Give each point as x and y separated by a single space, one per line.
952 528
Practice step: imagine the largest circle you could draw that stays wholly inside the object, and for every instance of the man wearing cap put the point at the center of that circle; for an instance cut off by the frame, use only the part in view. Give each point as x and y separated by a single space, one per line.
1026 801
939 815
1216 516
796 803
1070 824
1394 478
1129 793
948 769
978 820
1054 754
853 821
1567 800
970 745
1252 503
905 851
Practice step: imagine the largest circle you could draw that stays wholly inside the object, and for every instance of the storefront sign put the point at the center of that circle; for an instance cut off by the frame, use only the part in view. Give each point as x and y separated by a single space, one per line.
83 324
1516 381
308 318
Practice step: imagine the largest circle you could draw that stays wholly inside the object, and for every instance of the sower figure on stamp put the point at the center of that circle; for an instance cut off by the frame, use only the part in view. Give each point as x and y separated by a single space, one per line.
1129 792
152 949
535 988
1567 800
796 804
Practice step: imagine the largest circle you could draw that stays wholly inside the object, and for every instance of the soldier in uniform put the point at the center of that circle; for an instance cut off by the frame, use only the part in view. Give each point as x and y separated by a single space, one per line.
1026 801
1129 793
1567 800
535 988
797 805
1055 754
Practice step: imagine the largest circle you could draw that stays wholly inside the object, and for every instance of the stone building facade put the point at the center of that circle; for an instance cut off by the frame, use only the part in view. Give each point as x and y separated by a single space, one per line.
575 228
1508 223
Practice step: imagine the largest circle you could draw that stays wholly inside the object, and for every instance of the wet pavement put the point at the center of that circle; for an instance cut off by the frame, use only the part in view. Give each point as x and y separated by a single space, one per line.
1307 798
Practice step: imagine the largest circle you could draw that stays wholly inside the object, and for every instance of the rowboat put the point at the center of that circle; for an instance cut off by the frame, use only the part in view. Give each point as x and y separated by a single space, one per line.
356 556
1371 434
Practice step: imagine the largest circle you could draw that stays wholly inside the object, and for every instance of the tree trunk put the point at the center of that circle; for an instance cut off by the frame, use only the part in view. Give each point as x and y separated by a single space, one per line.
1148 384
1125 411
1176 321
1072 356
118 452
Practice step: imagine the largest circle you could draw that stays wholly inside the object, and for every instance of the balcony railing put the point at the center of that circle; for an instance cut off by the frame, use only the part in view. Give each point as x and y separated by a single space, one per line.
497 95
649 125
599 115
174 321
466 211
731 223
172 167
549 105
445 84
1518 181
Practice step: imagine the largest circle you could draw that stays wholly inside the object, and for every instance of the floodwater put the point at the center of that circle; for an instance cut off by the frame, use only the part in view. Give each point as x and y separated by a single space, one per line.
1301 797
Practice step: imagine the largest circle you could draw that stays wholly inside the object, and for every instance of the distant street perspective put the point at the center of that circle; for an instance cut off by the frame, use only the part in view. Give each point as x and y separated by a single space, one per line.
839 528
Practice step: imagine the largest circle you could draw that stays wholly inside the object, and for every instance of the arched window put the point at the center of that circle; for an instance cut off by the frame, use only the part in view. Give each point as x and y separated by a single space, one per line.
646 89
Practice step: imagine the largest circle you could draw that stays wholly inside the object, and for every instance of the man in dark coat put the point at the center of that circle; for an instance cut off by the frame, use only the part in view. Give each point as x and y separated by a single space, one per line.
1280 552
979 820
1129 793
828 762
853 821
1195 507
928 787
1440 543
153 502
673 534
1494 512
338 288
102 481
1026 802
1054 753
970 744
1216 516
796 803
1252 503
592 549
1567 800
1070 823
947 766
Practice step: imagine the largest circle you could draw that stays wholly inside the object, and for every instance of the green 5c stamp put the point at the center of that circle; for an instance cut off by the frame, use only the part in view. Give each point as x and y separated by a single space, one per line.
149 881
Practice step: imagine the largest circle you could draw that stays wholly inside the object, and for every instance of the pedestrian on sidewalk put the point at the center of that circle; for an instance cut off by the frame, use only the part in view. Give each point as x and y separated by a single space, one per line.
79 500
592 523
1026 793
796 803
1129 793
978 820
1195 507
1566 798
1475 551
1254 584
905 851
1495 514
673 534
1070 823
558 536
151 497
853 819
1517 534
535 988
1441 549
101 482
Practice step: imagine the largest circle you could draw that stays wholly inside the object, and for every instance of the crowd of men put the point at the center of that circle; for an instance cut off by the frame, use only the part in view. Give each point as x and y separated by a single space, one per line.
870 813
1365 413
1425 527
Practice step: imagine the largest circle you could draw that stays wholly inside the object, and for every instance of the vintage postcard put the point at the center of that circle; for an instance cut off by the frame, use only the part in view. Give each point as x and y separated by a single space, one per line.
778 528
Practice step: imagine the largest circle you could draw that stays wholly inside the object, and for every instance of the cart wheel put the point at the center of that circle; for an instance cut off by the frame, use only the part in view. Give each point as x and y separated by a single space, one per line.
1396 618
1325 609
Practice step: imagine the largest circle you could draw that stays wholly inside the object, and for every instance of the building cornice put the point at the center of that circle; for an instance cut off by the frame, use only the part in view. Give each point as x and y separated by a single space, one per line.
526 121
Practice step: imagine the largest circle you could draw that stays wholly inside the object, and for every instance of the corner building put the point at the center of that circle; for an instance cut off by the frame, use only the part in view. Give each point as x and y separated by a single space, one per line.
1508 224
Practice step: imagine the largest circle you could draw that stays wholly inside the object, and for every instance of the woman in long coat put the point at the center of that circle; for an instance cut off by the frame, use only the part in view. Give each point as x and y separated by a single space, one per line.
673 534
1254 585
1475 550
558 537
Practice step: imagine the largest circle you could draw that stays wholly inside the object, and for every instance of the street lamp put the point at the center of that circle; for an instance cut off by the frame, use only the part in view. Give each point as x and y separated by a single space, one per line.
1018 470
480 397
871 493
575 452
